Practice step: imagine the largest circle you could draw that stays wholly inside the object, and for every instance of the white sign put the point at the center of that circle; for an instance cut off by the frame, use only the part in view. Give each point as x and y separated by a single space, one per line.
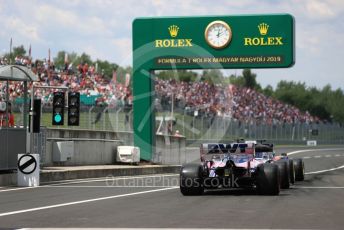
312 143
28 170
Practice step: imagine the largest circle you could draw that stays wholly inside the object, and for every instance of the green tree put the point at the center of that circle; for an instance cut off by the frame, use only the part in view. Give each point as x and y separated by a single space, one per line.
213 76
19 51
16 51
107 68
268 91
59 60
250 79
336 106
294 94
325 104
83 59
236 80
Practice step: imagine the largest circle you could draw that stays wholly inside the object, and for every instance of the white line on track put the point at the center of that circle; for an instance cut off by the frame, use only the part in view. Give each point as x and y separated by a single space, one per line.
14 189
328 156
325 170
106 186
317 156
77 181
114 178
317 187
150 228
337 155
306 157
314 150
83 201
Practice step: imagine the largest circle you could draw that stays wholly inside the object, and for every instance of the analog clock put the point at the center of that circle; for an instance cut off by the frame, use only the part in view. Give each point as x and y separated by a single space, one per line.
218 34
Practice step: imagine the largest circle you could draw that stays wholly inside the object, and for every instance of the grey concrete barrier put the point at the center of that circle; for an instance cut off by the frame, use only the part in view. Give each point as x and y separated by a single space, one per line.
58 174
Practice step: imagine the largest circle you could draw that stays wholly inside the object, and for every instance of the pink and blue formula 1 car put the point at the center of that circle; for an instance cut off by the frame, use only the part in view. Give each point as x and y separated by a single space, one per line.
229 166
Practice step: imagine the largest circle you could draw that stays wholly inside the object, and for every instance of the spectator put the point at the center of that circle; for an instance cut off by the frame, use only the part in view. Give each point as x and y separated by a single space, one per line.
6 117
177 134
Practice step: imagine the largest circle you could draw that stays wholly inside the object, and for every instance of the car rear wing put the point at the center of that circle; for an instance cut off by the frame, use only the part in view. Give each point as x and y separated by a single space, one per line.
221 148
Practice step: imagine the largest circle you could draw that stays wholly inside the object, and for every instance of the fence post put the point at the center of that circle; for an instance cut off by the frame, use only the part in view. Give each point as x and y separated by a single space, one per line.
202 131
104 118
130 120
90 117
117 113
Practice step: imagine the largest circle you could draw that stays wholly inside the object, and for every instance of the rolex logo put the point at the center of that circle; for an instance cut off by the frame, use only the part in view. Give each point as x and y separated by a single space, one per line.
264 41
173 30
173 42
263 28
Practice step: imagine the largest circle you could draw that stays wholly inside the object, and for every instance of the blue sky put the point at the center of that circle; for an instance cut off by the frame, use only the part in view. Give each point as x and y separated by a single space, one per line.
102 28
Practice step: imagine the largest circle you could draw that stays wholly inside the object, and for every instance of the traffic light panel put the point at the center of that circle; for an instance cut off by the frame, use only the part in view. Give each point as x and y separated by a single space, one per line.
58 108
73 108
36 115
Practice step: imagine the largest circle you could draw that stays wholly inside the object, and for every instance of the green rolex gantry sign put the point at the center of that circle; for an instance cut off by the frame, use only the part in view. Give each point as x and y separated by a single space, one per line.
216 42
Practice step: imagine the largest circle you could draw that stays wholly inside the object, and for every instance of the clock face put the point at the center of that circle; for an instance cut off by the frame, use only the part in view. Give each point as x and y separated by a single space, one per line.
218 34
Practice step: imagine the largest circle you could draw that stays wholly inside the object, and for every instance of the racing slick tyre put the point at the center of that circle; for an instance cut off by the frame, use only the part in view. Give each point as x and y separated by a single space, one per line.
299 169
268 179
291 171
283 173
191 180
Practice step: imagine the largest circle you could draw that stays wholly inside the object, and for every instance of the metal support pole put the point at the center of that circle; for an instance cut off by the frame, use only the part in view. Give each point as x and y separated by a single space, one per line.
184 124
117 114
104 118
26 109
90 117
31 119
7 101
131 120
193 127
172 107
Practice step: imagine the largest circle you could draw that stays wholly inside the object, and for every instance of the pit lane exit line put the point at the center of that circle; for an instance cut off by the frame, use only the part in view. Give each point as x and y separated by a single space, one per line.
313 150
325 170
83 201
320 187
79 181
319 156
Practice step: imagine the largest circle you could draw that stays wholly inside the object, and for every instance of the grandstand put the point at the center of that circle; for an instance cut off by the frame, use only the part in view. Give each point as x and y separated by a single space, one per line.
202 110
211 100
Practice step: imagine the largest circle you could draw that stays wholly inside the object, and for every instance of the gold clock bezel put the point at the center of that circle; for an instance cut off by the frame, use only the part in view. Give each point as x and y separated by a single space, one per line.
226 26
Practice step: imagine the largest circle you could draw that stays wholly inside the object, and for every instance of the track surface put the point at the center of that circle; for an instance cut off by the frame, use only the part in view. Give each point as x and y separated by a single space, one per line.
155 202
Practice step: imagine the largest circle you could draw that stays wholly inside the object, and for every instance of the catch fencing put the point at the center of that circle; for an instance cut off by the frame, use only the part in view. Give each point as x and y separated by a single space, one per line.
196 127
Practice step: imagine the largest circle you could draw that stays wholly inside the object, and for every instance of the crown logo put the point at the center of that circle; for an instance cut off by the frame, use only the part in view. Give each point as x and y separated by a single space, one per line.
173 30
263 28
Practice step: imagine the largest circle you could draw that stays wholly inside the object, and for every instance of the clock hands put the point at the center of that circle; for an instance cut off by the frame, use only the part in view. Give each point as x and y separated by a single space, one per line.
219 32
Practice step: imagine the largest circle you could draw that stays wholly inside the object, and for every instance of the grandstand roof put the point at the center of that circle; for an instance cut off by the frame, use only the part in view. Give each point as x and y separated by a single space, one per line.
17 73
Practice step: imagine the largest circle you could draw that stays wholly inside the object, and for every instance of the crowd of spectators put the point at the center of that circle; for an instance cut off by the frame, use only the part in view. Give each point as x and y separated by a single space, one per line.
84 79
249 105
240 103
199 98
